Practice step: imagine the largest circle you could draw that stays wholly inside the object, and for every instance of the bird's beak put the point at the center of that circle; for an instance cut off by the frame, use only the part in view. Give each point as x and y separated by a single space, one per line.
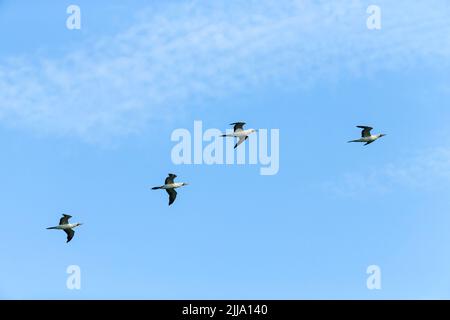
186 184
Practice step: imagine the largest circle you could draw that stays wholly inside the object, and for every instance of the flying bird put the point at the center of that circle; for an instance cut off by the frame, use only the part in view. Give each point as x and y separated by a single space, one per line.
66 226
170 186
366 136
239 132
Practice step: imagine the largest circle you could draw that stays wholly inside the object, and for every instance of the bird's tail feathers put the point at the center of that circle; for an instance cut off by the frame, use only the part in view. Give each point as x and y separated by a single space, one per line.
51 228
156 188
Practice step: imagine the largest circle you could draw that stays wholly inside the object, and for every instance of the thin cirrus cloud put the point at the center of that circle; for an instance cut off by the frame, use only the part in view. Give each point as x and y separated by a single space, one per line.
176 56
426 170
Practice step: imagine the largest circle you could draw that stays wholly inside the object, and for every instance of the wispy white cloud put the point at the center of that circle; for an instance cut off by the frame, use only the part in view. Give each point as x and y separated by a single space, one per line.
425 170
174 55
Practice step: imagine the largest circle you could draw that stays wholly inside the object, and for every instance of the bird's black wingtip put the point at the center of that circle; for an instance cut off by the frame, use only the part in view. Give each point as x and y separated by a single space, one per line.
235 123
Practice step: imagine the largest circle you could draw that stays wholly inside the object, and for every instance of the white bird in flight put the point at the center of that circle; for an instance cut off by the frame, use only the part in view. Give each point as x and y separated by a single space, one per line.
366 136
170 186
239 132
66 226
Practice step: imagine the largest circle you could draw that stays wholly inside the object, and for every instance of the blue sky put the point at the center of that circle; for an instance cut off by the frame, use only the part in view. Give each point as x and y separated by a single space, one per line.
85 123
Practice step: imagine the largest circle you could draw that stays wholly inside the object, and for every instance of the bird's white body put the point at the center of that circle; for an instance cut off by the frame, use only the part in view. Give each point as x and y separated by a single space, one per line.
67 226
174 185
241 133
370 138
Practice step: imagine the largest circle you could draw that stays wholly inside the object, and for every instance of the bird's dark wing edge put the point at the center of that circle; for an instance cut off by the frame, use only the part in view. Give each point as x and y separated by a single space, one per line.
366 131
238 126
64 219
70 234
170 178
172 195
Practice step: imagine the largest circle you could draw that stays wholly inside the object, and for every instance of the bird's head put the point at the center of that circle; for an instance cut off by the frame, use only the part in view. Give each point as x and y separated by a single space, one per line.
253 130
382 135
79 224
185 184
